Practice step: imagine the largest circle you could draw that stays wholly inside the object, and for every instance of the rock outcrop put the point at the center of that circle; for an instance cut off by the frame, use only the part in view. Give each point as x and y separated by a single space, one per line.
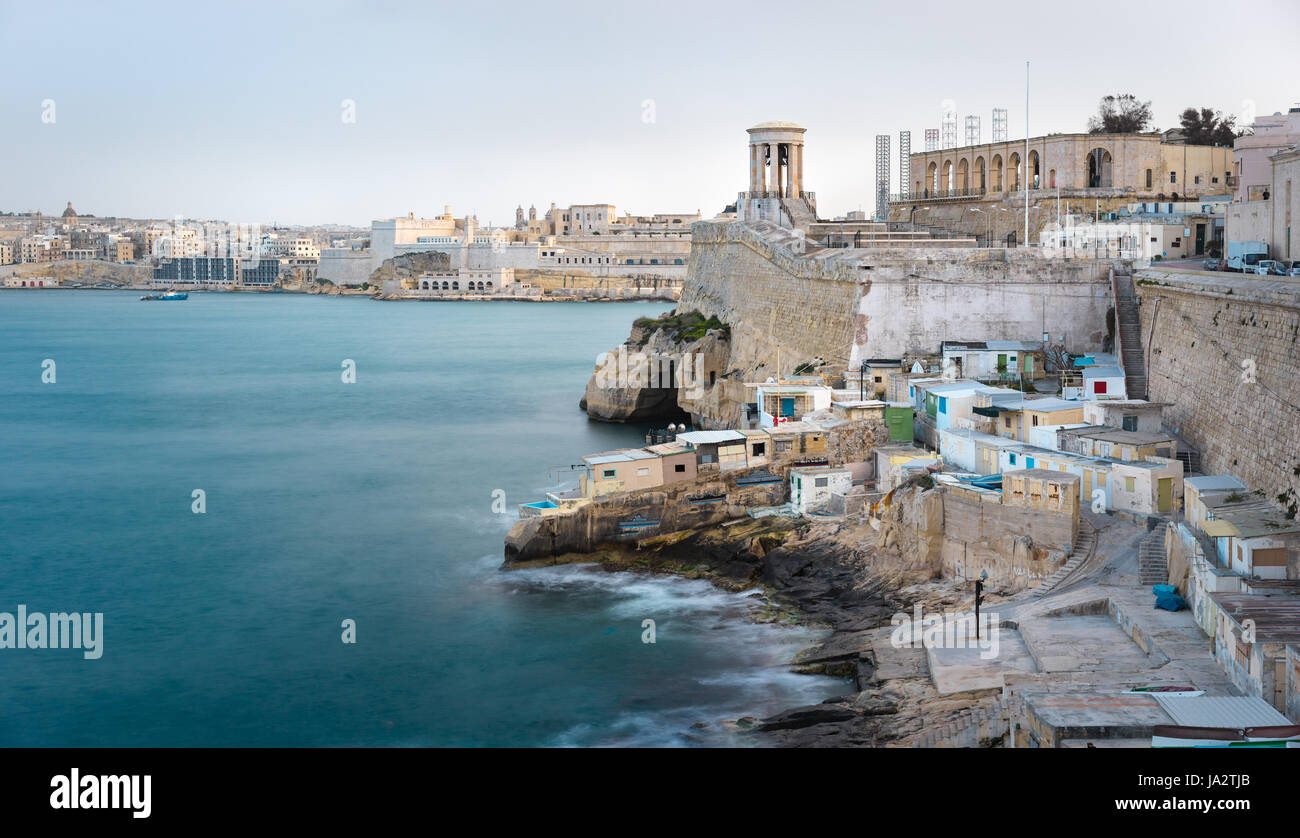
409 266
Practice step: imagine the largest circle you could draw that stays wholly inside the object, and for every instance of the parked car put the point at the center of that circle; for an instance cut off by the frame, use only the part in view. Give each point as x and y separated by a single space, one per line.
1293 268
1269 267
1212 264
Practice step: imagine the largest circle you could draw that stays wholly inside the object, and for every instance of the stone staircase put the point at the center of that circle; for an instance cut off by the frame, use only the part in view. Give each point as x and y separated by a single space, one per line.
1153 568
1128 326
801 217
983 727
1084 545
1190 458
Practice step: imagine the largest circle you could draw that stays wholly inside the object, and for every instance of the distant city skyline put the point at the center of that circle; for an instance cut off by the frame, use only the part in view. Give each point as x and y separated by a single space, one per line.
338 113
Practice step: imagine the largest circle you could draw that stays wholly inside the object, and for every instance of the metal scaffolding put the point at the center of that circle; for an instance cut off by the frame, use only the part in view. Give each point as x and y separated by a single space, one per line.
882 177
905 163
972 130
999 125
949 125
931 139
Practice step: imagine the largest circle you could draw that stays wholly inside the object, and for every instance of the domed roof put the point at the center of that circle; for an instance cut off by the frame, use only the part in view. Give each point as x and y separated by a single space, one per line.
69 211
777 126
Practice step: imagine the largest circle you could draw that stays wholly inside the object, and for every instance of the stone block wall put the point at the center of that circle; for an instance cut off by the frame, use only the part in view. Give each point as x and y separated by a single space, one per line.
1223 354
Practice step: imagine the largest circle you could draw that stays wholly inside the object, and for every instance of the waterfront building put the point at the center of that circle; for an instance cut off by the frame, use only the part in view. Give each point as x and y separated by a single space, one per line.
811 488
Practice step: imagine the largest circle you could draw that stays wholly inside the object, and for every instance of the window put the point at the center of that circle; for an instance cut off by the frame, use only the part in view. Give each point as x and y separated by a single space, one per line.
642 472
1007 420
1035 419
760 448
1196 179
821 482
1130 484
1013 459
1173 177
1130 423
1148 178
609 472
680 468
1098 386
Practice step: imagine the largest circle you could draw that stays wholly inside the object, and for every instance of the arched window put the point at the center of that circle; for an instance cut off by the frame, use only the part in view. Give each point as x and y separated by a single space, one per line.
997 173
1099 168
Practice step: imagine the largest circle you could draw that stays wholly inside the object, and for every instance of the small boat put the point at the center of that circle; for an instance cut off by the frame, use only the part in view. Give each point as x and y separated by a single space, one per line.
637 523
757 478
168 295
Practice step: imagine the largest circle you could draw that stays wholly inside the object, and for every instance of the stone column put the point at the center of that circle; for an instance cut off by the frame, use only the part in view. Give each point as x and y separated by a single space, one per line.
752 168
798 170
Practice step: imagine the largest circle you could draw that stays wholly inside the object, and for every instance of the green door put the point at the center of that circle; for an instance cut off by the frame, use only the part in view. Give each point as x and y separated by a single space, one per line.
1029 366
1165 494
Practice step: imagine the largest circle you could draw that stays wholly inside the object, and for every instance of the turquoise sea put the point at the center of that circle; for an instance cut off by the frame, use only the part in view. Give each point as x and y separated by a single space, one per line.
325 501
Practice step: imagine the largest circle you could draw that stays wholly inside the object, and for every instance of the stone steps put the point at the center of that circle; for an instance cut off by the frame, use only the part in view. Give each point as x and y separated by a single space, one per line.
1153 567
1084 544
1128 325
969 731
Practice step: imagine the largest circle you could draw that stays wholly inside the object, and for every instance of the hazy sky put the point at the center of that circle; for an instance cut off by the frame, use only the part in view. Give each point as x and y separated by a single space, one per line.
234 111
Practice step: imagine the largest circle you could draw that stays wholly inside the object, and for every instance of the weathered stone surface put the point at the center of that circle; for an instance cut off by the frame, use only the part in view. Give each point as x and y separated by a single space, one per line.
1224 349
806 717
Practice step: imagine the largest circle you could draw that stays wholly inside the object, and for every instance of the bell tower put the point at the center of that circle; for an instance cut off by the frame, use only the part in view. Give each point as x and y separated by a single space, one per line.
776 189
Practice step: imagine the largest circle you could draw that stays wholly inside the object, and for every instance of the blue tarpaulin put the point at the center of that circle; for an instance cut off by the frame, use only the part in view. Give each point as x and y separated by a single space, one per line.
1168 598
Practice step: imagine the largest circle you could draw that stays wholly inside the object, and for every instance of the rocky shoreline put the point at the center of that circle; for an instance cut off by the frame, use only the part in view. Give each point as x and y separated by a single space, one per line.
827 575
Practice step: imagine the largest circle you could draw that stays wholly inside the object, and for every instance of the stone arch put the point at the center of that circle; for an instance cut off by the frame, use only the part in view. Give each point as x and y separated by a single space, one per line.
455 285
445 285
963 174
1013 171
1099 164
996 165
1034 171
981 175
932 177
1051 178
946 175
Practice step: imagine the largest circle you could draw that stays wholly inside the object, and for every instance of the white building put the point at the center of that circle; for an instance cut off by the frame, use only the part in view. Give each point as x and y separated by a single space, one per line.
811 488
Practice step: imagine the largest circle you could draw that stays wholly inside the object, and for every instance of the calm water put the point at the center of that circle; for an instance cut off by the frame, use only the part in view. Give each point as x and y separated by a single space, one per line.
369 501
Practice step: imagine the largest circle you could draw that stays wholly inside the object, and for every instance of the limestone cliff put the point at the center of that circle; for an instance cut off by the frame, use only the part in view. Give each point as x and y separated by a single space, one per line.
910 543
409 266
663 361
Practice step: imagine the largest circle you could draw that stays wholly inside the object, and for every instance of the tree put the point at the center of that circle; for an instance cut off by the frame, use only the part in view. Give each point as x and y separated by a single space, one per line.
1208 127
1122 114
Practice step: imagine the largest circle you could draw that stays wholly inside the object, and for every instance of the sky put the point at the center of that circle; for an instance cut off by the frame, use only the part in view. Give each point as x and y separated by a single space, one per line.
240 111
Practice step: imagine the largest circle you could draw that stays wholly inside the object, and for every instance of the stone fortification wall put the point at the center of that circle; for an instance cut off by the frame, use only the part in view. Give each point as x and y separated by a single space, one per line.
1223 354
